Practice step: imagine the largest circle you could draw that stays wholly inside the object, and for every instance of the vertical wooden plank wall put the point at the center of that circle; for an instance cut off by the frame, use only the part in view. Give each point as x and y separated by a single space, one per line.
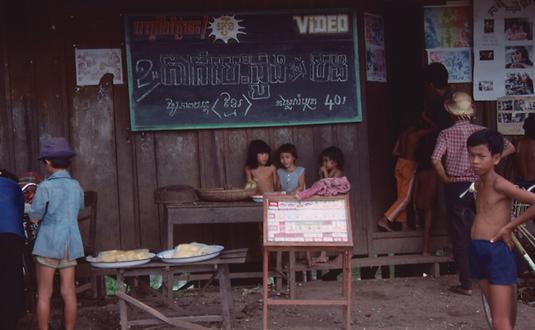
6 151
40 98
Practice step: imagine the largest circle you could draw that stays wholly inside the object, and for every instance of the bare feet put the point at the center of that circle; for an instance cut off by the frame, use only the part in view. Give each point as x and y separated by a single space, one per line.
384 224
426 254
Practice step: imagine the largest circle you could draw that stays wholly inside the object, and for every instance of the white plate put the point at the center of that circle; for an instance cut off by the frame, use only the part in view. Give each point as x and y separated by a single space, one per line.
167 255
118 264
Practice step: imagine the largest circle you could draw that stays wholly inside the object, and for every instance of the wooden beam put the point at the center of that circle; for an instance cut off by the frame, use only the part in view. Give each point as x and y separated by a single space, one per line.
158 315
400 260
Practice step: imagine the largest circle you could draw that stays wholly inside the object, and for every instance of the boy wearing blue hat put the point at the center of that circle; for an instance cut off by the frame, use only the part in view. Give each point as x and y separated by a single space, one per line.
56 205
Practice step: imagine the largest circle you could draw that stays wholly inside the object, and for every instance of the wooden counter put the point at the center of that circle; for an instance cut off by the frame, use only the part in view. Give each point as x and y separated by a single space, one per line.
210 212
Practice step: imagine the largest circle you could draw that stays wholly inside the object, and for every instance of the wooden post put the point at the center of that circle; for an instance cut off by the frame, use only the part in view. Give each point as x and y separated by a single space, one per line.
170 228
291 274
169 279
225 292
122 304
347 283
265 289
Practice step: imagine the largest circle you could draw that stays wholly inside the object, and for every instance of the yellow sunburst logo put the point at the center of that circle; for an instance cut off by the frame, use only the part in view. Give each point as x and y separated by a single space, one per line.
225 28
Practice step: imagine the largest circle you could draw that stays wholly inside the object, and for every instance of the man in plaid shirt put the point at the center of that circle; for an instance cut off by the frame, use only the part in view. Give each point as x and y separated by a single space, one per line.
451 162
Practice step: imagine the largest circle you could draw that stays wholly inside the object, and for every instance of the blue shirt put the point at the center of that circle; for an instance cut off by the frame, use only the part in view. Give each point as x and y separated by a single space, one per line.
289 181
56 205
11 207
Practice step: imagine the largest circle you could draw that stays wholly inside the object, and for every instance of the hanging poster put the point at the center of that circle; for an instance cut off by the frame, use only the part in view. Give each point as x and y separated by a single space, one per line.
92 64
375 48
512 112
503 48
448 37
447 26
456 60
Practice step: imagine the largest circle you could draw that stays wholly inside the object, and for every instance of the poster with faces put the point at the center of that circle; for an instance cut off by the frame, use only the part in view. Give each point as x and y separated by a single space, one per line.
503 48
512 111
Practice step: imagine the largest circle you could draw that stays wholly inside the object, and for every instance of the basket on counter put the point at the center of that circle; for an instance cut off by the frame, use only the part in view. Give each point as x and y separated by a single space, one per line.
224 195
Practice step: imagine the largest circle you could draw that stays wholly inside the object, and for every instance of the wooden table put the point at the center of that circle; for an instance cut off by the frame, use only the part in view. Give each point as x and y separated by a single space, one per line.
219 212
218 266
210 212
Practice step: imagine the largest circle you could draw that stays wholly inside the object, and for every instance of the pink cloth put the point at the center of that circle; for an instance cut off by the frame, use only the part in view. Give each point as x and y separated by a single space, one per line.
326 187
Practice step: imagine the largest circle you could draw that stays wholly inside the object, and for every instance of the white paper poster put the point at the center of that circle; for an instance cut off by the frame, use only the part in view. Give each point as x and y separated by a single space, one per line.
375 48
512 112
92 64
503 48
307 221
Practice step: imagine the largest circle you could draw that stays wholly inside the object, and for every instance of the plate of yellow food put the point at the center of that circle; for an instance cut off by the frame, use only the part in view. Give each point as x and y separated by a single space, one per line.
120 258
190 252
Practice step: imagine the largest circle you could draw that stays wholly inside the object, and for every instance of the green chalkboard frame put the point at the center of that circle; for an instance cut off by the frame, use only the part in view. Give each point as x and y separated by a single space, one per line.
165 127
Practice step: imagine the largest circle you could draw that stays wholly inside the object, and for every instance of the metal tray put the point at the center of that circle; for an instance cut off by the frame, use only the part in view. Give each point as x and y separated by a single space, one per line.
118 264
167 256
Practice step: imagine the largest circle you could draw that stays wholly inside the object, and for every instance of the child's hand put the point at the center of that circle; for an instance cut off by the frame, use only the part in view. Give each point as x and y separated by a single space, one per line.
34 221
505 234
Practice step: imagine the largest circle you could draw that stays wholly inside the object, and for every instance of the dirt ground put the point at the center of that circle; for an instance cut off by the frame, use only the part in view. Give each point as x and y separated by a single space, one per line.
401 303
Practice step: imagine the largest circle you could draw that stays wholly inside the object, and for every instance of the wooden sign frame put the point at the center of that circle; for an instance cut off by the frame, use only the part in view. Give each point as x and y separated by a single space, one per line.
345 249
175 75
282 198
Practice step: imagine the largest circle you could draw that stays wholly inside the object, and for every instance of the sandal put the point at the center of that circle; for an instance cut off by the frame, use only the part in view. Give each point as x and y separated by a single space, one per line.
384 225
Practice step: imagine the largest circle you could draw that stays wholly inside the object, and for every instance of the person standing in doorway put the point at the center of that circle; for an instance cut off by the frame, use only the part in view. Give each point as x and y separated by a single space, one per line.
451 162
405 150
437 91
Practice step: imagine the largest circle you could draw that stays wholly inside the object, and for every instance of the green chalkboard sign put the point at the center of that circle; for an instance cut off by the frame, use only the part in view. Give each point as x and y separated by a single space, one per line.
242 69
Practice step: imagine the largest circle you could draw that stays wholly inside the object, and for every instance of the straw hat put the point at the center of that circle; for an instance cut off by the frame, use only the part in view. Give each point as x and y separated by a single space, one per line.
460 105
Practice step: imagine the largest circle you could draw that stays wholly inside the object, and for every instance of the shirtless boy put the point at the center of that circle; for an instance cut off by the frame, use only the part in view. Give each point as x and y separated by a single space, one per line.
492 261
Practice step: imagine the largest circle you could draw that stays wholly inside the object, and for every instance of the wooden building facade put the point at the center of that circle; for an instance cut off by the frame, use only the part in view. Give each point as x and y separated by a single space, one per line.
39 98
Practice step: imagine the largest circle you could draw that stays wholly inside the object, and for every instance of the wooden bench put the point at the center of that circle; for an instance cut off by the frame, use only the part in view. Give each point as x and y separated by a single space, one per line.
408 259
219 267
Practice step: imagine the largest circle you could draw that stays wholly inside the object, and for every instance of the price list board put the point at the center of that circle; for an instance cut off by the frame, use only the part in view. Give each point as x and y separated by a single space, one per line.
319 221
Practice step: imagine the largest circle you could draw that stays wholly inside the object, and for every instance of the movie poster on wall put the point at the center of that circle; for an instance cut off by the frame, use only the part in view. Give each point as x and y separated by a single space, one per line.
92 64
448 39
458 62
375 48
503 49
512 111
